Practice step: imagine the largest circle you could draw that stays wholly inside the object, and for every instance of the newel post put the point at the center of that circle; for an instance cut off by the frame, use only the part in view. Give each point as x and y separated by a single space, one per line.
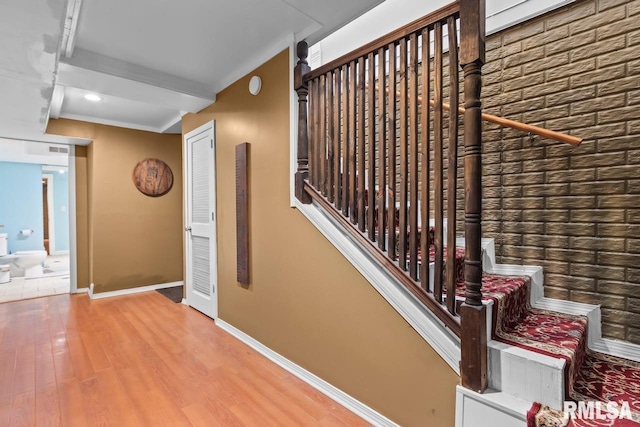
473 320
302 88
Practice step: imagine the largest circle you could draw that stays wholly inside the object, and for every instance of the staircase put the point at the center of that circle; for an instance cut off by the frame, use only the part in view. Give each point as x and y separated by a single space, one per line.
524 370
378 164
549 351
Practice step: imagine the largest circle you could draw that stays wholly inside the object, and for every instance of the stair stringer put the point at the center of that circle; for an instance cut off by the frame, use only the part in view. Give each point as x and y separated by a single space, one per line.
425 323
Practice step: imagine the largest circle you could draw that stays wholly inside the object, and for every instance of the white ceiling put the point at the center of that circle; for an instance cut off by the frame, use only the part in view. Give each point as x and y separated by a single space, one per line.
151 61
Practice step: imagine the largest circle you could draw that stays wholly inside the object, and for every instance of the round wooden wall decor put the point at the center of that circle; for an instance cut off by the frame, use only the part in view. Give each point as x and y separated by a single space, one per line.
153 177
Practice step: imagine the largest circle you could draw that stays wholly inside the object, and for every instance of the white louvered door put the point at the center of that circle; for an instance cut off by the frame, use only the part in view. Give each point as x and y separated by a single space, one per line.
200 229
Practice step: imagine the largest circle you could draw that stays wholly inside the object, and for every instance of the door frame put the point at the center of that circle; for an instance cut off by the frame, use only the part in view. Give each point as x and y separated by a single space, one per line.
49 177
207 127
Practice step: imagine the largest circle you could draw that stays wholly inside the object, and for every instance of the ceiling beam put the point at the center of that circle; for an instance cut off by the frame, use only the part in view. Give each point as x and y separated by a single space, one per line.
70 27
92 81
114 67
56 102
174 125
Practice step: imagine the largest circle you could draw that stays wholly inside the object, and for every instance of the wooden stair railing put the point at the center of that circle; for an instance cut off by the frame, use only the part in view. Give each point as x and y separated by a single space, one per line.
375 159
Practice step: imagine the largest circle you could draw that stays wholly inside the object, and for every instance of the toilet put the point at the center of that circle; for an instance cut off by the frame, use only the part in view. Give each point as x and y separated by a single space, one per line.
27 263
4 268
5 276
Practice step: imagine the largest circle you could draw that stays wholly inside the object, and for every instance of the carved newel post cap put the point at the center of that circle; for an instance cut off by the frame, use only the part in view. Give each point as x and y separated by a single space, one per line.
303 50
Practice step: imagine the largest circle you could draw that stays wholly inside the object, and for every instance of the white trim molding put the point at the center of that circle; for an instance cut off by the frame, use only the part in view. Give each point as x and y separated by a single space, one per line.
51 216
293 124
130 291
65 252
73 232
430 328
349 402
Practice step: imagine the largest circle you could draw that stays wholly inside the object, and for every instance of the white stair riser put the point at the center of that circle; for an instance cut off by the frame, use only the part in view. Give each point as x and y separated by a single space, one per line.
525 374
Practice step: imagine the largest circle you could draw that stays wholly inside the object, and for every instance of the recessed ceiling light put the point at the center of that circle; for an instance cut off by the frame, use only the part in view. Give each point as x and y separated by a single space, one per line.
92 97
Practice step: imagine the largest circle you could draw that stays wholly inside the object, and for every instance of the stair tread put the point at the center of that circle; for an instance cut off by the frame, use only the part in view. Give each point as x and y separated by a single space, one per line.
608 378
556 331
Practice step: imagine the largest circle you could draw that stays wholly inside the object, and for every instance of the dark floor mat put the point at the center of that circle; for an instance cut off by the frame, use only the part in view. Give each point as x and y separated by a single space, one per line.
174 293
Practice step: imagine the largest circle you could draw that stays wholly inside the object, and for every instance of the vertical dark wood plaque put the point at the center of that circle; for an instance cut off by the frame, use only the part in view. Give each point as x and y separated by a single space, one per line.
242 212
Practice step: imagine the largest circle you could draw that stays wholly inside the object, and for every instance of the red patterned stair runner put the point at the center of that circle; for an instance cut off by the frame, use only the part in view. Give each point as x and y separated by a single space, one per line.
589 375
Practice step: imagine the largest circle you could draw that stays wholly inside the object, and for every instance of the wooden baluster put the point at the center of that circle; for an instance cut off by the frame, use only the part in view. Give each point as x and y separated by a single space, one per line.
413 157
346 139
425 206
473 364
371 199
452 176
312 132
361 146
382 138
352 143
322 146
331 125
302 89
316 142
337 138
437 164
404 172
391 145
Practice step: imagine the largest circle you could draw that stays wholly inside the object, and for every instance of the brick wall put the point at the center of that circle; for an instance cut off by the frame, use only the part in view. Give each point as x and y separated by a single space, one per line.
575 211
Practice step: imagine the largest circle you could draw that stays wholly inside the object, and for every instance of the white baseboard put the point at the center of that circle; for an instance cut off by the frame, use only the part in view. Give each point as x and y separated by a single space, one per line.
81 291
65 252
314 381
129 291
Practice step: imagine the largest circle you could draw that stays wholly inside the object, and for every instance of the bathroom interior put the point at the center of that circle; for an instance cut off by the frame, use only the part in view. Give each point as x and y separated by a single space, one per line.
34 220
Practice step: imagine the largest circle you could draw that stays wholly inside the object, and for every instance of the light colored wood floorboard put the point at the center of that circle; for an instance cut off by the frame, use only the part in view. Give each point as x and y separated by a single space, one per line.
23 409
142 360
48 407
121 407
8 364
72 409
45 373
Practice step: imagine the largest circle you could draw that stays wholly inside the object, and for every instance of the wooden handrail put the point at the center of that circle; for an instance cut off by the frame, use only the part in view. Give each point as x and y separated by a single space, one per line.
546 133
550 134
441 14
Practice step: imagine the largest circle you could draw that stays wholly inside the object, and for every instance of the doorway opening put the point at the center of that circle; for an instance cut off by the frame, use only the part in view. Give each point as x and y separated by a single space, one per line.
37 219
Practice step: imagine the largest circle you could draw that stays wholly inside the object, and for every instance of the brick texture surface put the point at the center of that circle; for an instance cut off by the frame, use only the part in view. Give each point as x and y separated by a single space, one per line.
575 211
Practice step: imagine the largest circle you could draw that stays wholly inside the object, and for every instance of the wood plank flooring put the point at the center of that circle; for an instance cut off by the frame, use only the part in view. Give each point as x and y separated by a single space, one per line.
142 360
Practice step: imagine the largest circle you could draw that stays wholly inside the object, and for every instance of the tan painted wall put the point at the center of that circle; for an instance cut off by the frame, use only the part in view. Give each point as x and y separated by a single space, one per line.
82 217
306 301
133 240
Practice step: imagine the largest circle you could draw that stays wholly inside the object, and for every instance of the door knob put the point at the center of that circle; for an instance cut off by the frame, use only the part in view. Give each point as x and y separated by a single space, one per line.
188 228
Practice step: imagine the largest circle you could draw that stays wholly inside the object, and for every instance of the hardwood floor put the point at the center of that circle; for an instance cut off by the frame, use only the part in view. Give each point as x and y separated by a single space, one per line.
142 360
